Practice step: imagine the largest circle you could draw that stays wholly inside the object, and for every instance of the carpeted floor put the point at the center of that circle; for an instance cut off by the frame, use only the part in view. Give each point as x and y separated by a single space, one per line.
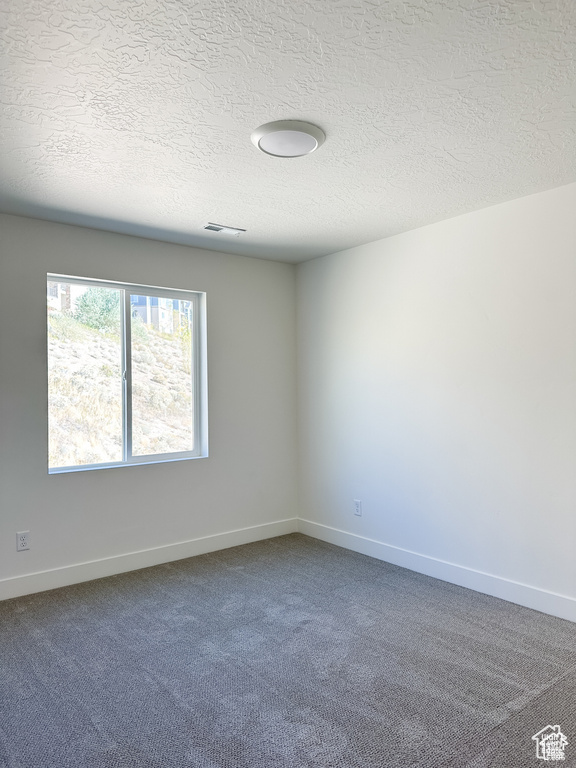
287 653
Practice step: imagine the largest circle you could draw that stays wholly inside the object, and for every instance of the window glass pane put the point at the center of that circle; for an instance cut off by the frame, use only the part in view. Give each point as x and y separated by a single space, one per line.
84 375
162 389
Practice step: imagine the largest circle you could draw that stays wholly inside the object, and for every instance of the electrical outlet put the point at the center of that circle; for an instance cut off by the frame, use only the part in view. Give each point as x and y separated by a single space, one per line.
357 507
22 540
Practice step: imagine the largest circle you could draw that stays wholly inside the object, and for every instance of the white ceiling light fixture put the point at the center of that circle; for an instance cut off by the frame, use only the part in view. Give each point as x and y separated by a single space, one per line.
288 138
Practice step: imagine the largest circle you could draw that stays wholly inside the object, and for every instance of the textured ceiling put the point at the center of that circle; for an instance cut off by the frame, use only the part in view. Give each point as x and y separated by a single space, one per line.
136 116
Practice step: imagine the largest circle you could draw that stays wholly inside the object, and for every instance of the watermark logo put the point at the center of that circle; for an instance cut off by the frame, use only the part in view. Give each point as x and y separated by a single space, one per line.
550 743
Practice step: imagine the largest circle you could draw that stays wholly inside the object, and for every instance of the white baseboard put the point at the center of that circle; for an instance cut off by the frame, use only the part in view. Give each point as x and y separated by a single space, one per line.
522 594
109 566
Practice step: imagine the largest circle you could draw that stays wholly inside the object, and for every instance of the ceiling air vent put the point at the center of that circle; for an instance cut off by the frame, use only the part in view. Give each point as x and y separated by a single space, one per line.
235 231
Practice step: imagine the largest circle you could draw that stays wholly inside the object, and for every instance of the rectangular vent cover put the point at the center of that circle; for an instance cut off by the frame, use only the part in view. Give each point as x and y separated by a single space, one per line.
235 231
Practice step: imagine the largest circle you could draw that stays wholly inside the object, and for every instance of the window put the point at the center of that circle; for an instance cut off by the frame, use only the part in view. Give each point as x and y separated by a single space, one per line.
126 374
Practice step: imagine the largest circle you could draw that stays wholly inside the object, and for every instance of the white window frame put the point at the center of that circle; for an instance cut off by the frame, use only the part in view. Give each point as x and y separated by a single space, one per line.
198 373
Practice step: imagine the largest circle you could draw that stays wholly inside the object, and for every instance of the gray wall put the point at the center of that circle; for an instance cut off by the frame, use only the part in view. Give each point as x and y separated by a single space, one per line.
437 380
249 478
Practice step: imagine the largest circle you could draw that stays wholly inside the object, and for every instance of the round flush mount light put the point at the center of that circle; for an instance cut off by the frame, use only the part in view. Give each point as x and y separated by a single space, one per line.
288 138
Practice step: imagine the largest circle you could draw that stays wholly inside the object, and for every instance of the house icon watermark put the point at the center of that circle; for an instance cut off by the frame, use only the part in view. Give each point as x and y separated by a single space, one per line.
550 743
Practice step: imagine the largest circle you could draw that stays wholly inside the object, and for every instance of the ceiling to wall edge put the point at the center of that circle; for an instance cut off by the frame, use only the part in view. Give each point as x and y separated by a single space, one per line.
203 243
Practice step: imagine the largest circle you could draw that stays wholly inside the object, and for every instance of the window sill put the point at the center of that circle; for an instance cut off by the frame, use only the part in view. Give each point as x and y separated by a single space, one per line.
92 467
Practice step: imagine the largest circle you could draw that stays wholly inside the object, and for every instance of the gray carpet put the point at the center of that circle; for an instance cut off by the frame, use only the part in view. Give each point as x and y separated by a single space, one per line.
287 653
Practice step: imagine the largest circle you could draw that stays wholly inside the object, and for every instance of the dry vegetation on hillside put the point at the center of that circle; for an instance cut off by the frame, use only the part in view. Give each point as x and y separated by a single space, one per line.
85 393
